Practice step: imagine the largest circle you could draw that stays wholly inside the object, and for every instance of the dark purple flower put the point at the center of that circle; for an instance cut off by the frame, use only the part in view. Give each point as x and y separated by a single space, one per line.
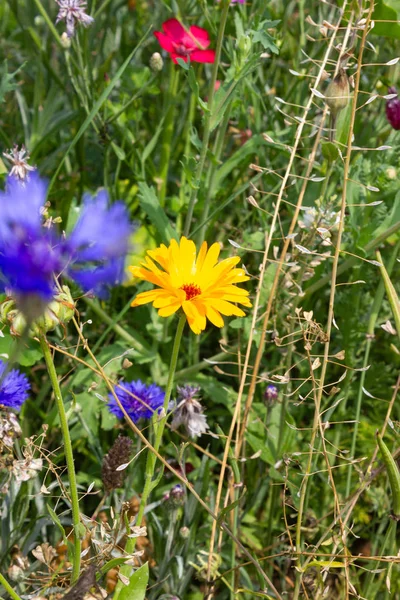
139 400
31 254
393 110
14 387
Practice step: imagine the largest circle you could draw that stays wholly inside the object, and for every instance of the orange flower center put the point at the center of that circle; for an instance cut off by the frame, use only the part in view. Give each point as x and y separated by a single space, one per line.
191 290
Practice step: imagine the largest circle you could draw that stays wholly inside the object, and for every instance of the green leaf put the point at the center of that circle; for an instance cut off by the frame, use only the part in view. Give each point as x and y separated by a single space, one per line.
230 507
118 151
151 206
391 293
330 151
343 124
57 522
136 588
29 355
182 63
387 10
393 474
266 40
7 83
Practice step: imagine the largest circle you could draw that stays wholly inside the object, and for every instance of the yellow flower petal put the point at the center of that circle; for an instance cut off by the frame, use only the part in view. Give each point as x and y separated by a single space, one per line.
202 287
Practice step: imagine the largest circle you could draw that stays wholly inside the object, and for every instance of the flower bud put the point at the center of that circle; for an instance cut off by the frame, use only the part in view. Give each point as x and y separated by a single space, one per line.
59 311
270 394
65 41
175 497
156 62
393 110
184 532
338 92
244 44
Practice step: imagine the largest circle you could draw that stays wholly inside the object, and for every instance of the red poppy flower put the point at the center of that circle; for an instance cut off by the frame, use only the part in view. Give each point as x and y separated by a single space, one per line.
185 44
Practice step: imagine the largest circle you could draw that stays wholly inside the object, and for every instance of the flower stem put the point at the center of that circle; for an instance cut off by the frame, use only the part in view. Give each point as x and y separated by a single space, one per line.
49 22
168 131
68 456
8 588
159 427
207 118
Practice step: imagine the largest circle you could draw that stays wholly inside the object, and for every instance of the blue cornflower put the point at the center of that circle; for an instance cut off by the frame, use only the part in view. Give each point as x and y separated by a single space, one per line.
14 388
99 243
28 254
31 255
138 399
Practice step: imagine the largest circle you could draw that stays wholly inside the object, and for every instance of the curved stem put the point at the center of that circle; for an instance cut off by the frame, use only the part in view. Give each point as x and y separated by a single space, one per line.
68 456
8 588
168 131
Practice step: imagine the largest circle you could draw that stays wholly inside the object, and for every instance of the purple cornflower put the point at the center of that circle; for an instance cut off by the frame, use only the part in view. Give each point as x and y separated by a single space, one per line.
14 387
139 400
73 11
271 393
393 109
31 254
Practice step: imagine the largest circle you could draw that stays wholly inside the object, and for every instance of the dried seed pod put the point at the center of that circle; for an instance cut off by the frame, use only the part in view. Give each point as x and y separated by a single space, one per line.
119 454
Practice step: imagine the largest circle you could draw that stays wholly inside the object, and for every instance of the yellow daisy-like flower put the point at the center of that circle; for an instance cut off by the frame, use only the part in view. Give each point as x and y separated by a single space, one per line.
203 287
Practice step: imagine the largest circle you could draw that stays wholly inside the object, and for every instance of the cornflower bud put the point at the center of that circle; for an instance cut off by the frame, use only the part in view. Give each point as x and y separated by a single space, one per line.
270 394
59 312
175 497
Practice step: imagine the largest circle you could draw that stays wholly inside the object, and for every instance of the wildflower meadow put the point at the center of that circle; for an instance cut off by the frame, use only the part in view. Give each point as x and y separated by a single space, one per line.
199 299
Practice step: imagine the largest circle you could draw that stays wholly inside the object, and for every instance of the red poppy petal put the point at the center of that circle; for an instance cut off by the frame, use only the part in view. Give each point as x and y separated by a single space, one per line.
201 35
203 56
174 30
164 41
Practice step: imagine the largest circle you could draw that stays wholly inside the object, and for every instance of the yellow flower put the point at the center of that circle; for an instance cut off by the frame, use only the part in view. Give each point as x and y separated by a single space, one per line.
201 286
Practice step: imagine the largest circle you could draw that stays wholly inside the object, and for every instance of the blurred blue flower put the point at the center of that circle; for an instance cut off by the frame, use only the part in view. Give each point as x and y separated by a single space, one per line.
138 399
99 243
31 254
28 253
14 387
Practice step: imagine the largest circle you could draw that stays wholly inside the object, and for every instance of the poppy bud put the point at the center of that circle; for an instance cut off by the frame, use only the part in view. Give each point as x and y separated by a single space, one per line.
338 92
393 110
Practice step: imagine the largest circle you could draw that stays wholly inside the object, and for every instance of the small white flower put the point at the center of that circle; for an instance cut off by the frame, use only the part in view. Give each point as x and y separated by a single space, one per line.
19 158
189 412
73 11
24 470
